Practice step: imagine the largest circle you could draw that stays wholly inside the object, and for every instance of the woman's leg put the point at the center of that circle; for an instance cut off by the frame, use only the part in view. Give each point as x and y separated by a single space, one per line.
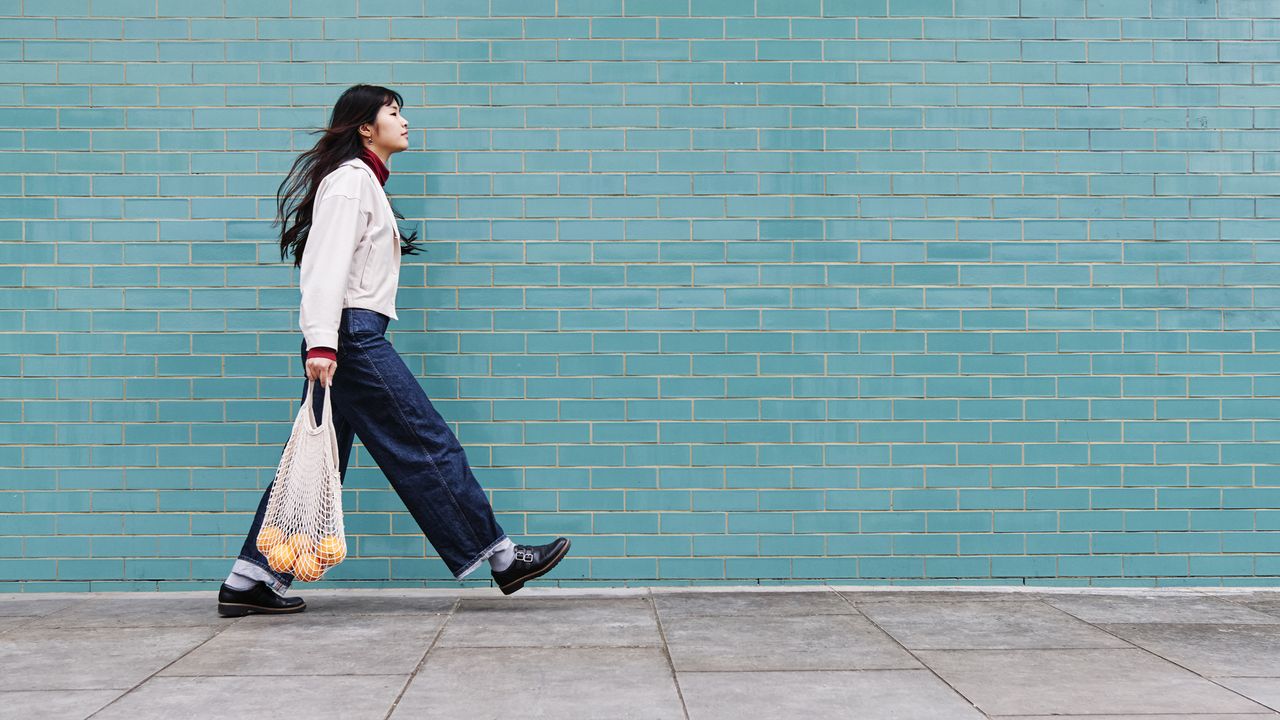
415 448
251 562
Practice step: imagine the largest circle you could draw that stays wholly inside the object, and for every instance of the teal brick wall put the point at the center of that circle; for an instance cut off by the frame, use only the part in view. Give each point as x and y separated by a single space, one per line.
728 291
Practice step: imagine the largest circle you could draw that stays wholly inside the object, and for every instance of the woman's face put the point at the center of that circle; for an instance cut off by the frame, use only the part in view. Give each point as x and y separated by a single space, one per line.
390 131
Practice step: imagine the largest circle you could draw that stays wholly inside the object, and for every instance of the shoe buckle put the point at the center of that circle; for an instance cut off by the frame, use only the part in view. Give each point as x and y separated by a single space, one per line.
524 555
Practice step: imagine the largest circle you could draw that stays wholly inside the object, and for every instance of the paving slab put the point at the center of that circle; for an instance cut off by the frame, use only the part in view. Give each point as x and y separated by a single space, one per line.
980 624
687 604
1208 649
365 697
34 605
863 594
1080 682
1268 603
91 658
760 642
13 622
139 611
1158 608
1262 690
288 645
580 683
54 704
377 602
552 622
855 695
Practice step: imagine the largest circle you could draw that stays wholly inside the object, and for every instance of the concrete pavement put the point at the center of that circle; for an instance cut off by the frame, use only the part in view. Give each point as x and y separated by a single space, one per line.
704 653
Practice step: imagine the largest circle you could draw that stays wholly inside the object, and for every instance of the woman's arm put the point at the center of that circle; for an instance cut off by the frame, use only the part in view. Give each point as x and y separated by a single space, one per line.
338 222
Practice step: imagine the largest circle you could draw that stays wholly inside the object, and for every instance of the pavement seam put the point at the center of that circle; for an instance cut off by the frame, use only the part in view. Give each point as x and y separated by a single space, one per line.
439 631
147 679
666 652
907 650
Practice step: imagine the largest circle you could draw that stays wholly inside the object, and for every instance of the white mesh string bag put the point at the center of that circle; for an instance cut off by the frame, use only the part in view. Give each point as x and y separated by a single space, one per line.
302 532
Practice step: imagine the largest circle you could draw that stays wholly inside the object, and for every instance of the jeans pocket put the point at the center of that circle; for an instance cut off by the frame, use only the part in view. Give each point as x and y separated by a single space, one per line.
359 326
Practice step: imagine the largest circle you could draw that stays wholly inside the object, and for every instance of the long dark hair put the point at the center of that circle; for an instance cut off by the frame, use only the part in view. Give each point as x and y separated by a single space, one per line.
340 142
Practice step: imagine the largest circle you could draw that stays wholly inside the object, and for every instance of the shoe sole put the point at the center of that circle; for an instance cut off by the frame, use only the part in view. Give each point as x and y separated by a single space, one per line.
242 609
518 583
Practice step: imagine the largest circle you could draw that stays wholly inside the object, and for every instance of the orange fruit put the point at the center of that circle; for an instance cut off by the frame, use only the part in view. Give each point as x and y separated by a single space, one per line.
333 550
268 537
301 543
281 557
308 568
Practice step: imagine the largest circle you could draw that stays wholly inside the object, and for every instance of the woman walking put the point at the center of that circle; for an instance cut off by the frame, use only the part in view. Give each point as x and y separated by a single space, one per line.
345 240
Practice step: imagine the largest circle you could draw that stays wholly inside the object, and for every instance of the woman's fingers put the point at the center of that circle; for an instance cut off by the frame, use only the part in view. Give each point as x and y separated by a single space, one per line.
322 369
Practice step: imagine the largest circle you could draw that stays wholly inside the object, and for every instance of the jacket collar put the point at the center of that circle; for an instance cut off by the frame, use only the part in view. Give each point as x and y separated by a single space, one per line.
357 162
364 167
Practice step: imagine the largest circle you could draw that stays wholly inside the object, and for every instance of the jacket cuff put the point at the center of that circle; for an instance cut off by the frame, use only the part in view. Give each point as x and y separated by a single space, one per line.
322 352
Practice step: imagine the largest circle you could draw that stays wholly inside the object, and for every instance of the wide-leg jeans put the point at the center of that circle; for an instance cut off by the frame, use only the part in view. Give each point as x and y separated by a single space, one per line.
376 397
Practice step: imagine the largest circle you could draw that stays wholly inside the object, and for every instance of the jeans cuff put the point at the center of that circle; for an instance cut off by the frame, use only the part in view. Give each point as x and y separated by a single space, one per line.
502 542
249 568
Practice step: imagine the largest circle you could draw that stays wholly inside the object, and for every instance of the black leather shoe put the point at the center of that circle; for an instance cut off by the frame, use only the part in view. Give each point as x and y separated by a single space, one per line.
257 599
530 562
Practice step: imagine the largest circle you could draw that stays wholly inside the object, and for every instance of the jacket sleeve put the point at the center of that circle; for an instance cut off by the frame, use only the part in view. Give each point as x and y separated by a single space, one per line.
337 223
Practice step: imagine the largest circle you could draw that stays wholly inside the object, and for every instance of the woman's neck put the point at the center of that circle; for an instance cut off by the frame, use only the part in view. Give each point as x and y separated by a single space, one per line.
377 164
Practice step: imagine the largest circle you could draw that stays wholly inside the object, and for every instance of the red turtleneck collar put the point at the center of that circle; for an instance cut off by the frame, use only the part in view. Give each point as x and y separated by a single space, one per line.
379 168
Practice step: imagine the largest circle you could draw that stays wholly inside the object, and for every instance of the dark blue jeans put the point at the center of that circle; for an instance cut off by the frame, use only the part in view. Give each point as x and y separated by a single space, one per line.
376 397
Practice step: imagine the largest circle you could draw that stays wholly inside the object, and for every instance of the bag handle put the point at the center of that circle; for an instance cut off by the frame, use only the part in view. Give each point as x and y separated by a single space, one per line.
326 414
326 421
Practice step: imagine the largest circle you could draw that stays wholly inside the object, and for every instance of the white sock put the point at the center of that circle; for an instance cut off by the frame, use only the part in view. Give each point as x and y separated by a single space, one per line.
501 560
236 581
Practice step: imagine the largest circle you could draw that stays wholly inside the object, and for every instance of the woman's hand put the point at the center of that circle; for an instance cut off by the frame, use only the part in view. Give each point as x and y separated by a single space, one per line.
322 368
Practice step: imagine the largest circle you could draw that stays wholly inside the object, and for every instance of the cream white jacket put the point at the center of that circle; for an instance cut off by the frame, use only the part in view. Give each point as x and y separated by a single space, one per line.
352 255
